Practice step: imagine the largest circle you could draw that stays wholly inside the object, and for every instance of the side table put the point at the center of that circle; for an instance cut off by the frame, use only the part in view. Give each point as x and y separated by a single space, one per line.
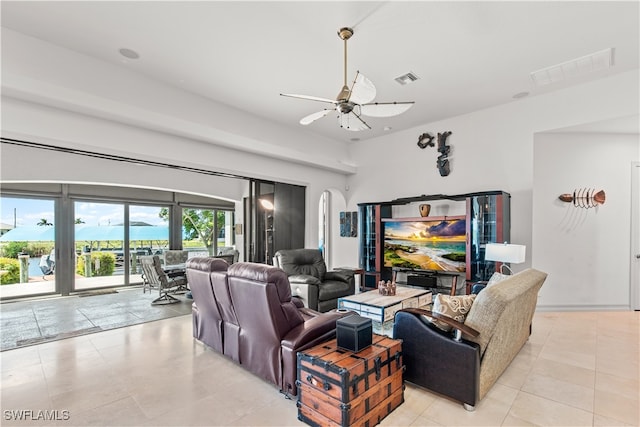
337 387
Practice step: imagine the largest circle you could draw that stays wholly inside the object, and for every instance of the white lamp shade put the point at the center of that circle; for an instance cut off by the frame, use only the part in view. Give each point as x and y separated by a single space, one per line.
504 252
266 204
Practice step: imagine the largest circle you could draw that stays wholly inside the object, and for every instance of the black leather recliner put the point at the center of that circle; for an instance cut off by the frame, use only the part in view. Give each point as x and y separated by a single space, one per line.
318 288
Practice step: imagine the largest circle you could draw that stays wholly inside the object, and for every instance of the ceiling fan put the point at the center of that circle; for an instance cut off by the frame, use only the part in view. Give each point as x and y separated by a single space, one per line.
353 103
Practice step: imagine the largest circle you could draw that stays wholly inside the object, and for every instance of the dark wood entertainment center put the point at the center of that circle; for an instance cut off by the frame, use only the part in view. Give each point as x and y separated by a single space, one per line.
487 220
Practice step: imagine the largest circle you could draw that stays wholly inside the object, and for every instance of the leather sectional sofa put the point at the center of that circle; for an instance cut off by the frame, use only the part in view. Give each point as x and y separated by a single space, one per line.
245 311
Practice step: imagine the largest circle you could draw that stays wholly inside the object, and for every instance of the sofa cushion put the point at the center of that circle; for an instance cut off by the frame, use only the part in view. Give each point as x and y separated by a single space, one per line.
455 307
496 278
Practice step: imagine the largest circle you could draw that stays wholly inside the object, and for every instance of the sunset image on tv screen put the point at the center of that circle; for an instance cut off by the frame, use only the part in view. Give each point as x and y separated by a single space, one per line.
438 245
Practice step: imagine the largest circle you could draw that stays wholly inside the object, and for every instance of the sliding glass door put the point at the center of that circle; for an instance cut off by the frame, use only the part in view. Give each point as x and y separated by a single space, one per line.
206 232
99 236
64 243
148 235
27 254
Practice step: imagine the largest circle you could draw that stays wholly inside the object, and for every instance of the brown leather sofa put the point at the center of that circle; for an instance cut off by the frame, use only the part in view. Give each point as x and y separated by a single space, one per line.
260 326
310 280
206 315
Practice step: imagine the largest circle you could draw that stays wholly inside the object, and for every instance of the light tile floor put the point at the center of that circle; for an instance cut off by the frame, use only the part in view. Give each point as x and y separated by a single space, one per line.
577 369
30 322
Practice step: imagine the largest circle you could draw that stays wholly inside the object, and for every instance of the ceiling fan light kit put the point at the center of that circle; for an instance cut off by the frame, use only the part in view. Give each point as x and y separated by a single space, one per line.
352 103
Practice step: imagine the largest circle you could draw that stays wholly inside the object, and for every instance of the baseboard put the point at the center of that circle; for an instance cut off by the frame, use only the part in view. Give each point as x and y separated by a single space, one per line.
549 308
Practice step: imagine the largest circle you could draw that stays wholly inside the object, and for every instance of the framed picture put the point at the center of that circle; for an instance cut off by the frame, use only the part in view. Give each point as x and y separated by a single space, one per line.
348 224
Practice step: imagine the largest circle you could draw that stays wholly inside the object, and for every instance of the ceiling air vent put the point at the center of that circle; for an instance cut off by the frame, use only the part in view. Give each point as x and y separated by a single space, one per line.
407 78
600 60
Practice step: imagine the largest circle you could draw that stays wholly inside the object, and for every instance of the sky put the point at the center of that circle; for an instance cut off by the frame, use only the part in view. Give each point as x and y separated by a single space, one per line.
29 212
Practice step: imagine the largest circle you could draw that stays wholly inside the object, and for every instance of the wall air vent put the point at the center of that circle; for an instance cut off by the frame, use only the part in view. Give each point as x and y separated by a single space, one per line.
597 61
407 78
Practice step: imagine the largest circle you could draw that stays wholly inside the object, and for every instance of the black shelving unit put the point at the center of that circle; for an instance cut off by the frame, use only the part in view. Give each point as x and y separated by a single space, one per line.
487 220
370 227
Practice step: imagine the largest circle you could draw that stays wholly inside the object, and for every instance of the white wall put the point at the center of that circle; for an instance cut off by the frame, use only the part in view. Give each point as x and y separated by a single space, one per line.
80 102
43 124
585 251
57 96
492 149
47 74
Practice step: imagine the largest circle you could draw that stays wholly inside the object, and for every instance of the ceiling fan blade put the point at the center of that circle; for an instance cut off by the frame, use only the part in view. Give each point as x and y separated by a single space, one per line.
315 116
353 122
385 109
308 97
363 90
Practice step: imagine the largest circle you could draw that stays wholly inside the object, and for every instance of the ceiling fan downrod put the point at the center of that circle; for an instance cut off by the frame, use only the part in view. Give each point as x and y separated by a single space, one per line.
345 34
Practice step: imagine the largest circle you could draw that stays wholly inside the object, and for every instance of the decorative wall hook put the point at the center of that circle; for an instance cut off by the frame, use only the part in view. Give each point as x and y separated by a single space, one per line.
428 143
584 198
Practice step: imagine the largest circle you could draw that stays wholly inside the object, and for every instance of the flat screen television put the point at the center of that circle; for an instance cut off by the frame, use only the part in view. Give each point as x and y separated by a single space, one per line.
431 244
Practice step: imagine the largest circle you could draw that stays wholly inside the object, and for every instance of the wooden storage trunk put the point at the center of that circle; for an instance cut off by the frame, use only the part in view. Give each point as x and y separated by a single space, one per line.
337 387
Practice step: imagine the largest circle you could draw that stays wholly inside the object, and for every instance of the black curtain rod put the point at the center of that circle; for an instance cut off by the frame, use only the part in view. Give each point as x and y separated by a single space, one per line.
116 158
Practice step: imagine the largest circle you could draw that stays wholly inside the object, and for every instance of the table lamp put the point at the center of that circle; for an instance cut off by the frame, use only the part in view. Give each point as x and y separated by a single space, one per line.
505 253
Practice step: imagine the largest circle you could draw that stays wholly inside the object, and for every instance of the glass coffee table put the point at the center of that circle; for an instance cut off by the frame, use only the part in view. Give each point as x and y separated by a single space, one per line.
382 309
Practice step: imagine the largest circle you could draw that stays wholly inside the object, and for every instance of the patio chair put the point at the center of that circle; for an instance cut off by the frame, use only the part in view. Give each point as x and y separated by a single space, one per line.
157 277
229 250
175 256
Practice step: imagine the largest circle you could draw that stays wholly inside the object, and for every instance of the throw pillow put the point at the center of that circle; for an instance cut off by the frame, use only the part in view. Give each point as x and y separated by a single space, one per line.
496 278
455 307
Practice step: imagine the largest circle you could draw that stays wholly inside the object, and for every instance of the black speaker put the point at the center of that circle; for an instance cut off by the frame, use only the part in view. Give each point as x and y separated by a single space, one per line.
354 333
422 280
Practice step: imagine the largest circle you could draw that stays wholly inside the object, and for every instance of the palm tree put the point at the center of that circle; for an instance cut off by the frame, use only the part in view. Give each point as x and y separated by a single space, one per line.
44 222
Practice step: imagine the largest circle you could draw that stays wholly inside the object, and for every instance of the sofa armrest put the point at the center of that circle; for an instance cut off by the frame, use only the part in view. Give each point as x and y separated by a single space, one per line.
308 293
305 333
346 276
458 326
304 278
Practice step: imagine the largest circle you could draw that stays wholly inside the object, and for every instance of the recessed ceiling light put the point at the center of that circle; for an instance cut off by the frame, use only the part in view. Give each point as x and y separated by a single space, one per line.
520 95
128 53
387 128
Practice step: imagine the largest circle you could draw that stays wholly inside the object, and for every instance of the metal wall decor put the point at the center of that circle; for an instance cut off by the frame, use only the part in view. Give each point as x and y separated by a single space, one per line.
443 149
429 140
426 140
584 198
